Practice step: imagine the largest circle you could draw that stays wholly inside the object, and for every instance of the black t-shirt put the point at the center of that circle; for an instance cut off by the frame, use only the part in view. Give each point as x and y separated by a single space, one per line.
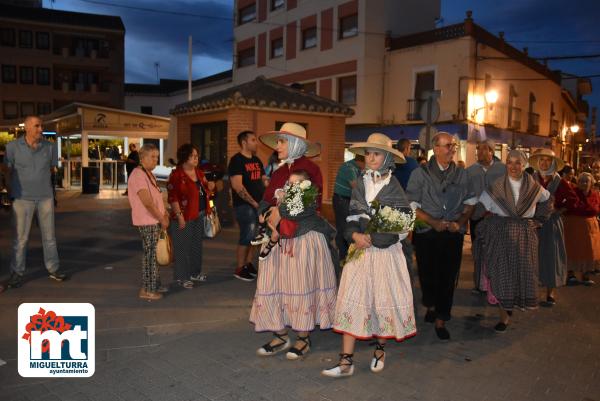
251 169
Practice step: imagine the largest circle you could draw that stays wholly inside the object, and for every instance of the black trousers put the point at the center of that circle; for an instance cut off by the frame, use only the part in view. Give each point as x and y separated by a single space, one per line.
476 265
341 209
438 259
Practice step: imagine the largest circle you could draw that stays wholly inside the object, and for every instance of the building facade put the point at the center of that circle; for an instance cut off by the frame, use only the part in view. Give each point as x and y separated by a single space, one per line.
51 58
335 48
484 88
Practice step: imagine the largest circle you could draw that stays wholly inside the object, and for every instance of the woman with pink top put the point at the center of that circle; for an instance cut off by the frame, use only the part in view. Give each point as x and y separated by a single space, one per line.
149 216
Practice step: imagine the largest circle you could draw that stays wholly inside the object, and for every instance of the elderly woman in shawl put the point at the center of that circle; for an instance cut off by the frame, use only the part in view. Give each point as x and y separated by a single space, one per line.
296 283
517 204
552 251
375 296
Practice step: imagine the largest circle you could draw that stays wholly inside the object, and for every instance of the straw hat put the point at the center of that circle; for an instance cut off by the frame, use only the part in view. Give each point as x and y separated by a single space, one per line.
295 130
378 141
535 158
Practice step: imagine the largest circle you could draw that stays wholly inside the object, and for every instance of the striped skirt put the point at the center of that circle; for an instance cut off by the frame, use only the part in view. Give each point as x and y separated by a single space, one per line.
510 261
295 286
375 297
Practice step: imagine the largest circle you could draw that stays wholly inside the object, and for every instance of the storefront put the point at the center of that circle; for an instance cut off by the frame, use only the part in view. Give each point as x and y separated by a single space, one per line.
95 136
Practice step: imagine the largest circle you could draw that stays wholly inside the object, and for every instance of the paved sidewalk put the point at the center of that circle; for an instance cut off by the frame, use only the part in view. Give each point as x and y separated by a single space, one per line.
198 345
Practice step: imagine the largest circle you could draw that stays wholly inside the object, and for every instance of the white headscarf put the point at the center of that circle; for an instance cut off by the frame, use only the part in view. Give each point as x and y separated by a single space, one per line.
296 148
388 165
550 171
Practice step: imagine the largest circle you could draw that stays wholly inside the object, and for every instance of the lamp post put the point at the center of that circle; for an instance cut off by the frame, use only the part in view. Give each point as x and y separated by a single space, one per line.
574 129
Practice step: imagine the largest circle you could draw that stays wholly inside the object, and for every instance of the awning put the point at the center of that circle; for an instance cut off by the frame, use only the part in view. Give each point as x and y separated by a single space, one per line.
397 132
499 135
89 120
77 118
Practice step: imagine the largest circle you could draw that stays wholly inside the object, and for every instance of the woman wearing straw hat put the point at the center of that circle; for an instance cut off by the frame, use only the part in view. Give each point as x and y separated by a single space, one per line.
509 242
296 283
553 254
375 297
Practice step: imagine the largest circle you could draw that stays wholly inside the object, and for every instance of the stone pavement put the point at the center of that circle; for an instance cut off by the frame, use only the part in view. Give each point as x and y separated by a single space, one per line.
198 345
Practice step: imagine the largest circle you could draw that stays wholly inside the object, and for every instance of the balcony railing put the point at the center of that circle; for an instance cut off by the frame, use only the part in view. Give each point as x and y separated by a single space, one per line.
533 126
515 119
414 110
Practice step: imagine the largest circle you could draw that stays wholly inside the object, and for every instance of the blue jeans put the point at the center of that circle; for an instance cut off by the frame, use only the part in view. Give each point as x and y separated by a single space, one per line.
247 219
23 211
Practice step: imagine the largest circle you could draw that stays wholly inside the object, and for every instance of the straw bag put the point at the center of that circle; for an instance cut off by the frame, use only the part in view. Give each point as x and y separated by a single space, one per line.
164 249
212 225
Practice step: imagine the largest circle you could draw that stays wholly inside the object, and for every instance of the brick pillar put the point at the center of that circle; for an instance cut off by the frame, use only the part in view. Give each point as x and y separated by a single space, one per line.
238 120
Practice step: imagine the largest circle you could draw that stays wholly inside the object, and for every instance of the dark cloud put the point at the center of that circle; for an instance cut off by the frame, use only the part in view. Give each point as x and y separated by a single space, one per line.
163 37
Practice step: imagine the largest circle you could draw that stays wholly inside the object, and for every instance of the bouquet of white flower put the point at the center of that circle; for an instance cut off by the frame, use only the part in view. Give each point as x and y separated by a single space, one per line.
384 219
298 196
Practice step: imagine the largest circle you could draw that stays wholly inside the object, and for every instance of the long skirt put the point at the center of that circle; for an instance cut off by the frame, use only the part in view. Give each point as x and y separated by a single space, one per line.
510 261
582 238
552 252
296 286
375 296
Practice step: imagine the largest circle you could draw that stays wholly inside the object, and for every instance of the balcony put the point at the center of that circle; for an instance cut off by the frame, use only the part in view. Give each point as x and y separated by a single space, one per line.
533 127
515 119
414 110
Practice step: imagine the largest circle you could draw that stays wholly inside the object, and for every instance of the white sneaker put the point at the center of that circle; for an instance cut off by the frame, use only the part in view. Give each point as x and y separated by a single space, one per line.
268 350
377 365
336 372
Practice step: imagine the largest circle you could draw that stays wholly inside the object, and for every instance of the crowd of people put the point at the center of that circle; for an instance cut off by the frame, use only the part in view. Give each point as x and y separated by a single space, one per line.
528 229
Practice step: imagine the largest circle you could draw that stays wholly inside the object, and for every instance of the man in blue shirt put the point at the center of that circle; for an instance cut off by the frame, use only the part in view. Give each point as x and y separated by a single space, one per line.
403 171
402 174
345 181
31 160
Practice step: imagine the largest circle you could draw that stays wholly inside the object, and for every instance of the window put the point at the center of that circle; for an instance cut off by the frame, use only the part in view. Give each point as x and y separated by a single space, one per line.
26 39
42 40
349 26
44 108
246 57
146 109
247 14
7 37
309 37
310 87
27 109
347 90
424 82
9 74
277 48
10 110
277 4
43 76
26 75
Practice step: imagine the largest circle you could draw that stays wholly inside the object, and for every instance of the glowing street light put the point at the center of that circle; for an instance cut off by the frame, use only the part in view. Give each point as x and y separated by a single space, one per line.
491 97
574 128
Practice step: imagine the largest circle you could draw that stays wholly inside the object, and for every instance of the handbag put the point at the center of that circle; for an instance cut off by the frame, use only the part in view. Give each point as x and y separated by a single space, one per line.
212 225
164 249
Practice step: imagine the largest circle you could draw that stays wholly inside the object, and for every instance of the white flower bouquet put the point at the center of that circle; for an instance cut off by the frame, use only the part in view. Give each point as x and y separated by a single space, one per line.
298 196
384 219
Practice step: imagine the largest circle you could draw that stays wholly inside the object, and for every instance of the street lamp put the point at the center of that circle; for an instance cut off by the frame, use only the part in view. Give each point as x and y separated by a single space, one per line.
491 97
574 129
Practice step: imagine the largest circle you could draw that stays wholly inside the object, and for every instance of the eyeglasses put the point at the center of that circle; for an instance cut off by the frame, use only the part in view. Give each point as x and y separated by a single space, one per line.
449 146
